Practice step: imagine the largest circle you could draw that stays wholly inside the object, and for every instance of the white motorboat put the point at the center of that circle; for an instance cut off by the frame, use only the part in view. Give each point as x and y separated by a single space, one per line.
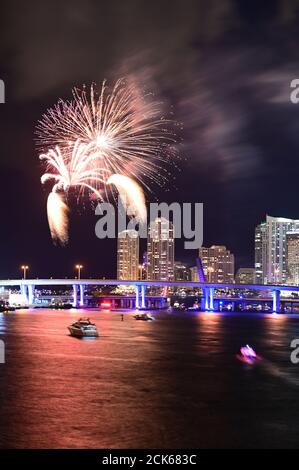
83 328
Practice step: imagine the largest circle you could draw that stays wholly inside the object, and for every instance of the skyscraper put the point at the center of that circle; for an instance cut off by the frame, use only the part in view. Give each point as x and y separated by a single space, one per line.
260 253
292 257
218 264
160 250
127 255
270 249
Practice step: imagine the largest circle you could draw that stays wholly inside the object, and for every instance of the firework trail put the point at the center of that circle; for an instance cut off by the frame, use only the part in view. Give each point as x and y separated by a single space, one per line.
58 218
77 169
72 170
131 195
111 136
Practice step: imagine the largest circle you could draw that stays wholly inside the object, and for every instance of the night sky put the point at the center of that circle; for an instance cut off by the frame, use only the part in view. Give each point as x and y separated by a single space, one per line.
224 69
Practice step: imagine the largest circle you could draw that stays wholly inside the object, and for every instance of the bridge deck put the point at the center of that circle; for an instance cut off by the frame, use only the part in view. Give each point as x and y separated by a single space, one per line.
116 282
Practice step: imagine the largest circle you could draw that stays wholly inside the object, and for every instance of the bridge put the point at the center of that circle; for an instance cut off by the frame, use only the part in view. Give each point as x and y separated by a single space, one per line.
27 288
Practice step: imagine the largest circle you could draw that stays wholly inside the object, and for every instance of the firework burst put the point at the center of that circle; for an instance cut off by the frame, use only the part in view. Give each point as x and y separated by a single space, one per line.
124 128
101 138
77 169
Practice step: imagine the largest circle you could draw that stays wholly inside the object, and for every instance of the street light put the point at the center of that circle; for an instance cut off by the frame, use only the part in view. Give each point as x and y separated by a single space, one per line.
24 269
79 267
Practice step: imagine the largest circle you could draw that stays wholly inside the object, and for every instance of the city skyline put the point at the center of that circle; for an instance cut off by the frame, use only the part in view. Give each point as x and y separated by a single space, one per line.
276 265
264 266
228 172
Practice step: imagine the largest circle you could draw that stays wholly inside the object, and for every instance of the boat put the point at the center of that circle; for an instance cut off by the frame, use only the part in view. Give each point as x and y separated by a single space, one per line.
143 316
83 328
248 355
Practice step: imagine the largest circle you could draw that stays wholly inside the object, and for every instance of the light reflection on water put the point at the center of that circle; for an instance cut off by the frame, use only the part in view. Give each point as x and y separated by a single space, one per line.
171 383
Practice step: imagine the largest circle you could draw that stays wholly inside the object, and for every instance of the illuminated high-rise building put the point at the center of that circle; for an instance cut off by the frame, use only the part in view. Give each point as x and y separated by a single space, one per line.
270 249
160 250
260 253
292 257
128 255
218 264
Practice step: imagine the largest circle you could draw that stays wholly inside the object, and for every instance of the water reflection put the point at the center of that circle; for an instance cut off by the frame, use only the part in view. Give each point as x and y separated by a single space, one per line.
169 383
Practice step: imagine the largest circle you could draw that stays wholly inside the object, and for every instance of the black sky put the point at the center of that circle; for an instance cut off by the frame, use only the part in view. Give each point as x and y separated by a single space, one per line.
224 68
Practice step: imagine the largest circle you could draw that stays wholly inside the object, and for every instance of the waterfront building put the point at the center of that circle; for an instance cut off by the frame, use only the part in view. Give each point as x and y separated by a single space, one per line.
128 255
245 276
292 257
160 250
270 249
260 253
218 264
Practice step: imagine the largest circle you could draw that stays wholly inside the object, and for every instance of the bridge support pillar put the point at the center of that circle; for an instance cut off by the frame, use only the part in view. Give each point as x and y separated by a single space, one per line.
276 301
23 290
75 295
30 297
211 298
137 303
82 301
143 297
205 299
